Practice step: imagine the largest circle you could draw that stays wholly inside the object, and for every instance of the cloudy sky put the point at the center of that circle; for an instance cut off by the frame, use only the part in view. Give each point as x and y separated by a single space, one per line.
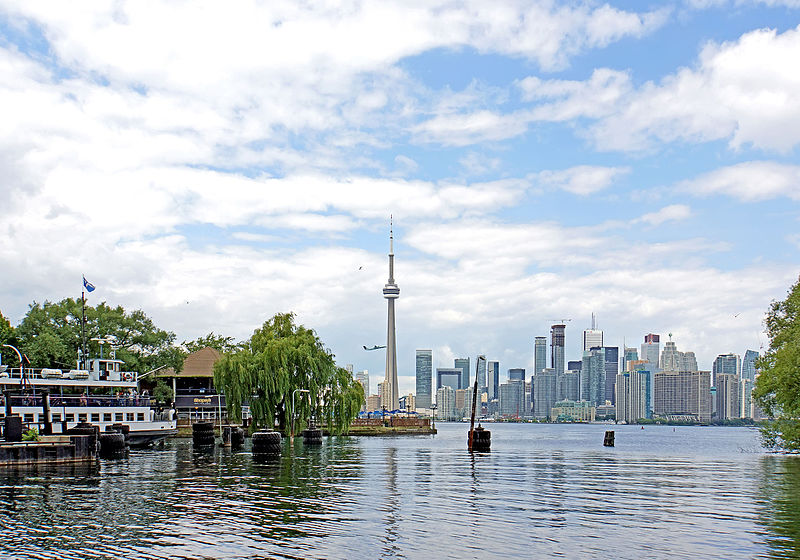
216 163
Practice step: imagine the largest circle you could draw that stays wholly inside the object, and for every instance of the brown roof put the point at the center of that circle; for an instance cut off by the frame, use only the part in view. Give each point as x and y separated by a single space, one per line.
196 364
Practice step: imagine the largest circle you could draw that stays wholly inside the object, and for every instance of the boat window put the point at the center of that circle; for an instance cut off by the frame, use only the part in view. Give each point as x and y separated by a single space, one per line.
140 416
95 416
70 417
117 417
81 417
129 416
56 418
106 417
28 418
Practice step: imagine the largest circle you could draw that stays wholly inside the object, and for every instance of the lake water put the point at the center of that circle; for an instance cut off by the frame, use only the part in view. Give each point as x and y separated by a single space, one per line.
543 491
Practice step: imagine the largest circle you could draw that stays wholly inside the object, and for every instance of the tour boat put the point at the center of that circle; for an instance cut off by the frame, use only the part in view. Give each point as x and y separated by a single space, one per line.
101 395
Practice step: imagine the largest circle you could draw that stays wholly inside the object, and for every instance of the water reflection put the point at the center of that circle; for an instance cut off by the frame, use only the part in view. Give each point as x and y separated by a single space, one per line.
779 498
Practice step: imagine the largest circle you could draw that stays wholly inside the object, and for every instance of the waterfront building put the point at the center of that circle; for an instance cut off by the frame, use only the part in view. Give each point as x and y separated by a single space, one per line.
684 394
363 378
424 371
593 373
572 411
195 394
493 379
749 371
373 403
651 349
448 377
611 366
746 399
728 405
592 338
539 354
557 338
516 374
631 396
391 292
545 392
730 364
512 399
463 365
461 402
445 403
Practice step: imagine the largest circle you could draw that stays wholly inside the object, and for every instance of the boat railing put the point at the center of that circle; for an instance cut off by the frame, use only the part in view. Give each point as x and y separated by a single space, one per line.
78 400
74 374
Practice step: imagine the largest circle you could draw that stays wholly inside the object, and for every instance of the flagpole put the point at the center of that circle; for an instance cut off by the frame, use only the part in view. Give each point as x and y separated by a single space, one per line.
83 363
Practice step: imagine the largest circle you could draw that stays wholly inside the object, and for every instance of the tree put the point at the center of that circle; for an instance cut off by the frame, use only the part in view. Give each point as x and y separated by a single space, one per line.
7 336
50 335
279 358
162 393
223 344
777 388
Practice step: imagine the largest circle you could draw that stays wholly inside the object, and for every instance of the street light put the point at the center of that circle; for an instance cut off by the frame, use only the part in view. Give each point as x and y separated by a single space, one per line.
291 433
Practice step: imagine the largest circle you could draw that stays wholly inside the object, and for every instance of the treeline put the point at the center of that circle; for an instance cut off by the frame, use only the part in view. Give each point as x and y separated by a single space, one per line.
267 372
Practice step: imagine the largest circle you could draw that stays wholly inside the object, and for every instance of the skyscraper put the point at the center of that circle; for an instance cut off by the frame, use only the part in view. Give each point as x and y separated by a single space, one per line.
611 361
493 379
593 375
363 378
539 354
631 396
727 363
728 405
651 350
682 394
516 374
545 391
631 355
391 292
463 365
749 365
481 375
445 403
448 377
557 337
592 338
424 369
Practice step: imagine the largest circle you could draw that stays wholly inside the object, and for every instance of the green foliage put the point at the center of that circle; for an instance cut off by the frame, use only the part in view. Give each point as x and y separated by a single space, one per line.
8 336
223 344
280 358
777 388
162 392
31 435
50 335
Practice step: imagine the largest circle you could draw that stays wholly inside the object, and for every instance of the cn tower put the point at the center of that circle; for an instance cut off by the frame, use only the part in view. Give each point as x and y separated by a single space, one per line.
390 397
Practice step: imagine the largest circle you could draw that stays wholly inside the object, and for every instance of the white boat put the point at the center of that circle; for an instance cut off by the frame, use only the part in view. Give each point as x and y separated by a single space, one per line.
102 395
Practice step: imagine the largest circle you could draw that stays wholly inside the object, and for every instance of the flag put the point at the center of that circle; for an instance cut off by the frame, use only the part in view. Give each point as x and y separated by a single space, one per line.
88 285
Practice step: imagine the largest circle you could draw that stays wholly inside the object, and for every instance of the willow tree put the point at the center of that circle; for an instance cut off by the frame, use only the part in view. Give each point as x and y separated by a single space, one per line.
777 388
280 359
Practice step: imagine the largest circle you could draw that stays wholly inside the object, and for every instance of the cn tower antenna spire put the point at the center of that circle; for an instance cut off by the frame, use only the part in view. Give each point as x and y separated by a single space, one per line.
390 395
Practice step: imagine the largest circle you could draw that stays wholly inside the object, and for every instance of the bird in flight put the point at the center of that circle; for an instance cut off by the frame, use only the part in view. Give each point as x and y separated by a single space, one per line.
374 347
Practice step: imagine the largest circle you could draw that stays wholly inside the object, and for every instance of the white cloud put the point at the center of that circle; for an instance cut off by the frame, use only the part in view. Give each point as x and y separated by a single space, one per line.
583 179
748 181
674 212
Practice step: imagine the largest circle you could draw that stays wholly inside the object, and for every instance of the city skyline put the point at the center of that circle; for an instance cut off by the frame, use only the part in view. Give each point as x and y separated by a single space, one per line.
543 161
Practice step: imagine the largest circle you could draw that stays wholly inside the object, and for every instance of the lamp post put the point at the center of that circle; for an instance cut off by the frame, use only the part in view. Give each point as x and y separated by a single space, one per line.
291 433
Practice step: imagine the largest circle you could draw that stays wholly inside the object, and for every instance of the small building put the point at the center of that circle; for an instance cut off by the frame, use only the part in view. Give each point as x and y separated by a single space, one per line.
195 395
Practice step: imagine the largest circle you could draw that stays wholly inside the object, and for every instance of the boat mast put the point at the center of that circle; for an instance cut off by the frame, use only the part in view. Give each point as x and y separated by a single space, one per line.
83 364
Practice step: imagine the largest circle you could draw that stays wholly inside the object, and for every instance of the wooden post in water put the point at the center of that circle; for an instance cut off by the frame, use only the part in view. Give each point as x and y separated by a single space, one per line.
474 401
608 440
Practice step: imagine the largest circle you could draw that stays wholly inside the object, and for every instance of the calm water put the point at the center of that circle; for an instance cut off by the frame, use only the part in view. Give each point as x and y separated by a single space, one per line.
543 491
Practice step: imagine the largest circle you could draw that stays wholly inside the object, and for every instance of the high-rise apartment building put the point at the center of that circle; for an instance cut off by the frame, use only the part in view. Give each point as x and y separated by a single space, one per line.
363 378
557 339
611 360
569 386
728 405
516 374
631 396
539 354
630 355
575 365
481 375
682 394
749 365
445 403
463 365
512 399
545 389
593 375
424 371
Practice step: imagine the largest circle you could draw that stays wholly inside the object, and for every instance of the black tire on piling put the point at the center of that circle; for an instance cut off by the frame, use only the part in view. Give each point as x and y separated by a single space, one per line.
312 436
123 429
112 444
481 439
86 429
266 443
203 434
237 437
